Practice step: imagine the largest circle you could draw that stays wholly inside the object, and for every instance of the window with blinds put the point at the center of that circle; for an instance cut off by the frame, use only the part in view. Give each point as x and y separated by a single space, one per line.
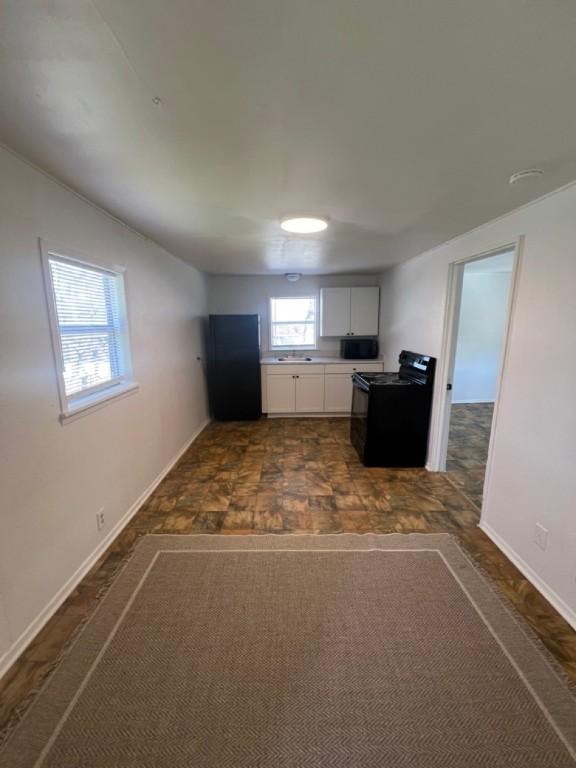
88 312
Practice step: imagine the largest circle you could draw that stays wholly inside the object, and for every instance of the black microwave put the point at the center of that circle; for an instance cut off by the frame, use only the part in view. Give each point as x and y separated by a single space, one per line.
358 349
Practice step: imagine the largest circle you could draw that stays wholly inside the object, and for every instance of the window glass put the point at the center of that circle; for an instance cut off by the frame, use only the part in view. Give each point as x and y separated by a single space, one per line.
89 319
293 321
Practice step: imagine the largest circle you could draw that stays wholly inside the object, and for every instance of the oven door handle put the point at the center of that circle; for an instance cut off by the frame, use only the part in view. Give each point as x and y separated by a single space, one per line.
359 383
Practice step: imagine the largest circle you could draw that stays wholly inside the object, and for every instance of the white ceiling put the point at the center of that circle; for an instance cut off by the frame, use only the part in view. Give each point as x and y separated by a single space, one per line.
401 120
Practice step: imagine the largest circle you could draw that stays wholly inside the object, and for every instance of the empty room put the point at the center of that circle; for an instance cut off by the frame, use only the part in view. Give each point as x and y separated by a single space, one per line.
287 334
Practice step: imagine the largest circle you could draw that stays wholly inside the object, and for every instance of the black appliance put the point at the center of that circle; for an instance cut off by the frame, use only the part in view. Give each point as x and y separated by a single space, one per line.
358 349
234 367
391 413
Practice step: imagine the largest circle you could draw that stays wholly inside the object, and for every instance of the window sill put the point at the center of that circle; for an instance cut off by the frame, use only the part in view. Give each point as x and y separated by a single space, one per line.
85 405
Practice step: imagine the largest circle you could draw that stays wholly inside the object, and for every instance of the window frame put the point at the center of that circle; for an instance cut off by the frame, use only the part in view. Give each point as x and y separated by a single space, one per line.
271 323
95 397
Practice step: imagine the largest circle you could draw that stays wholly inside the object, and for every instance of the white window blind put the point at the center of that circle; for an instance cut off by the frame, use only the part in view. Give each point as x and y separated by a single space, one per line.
293 321
89 313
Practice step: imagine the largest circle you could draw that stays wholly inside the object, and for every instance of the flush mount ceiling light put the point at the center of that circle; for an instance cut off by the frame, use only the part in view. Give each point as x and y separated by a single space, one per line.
292 277
303 225
526 175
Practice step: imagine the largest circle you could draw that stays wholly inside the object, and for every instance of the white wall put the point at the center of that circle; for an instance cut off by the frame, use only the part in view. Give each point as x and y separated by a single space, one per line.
54 478
534 450
230 294
481 331
5 640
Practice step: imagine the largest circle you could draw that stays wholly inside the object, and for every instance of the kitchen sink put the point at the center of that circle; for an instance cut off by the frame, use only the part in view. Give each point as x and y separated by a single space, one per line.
294 359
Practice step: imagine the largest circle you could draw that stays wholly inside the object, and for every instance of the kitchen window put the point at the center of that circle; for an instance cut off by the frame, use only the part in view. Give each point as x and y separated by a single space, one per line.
87 311
293 322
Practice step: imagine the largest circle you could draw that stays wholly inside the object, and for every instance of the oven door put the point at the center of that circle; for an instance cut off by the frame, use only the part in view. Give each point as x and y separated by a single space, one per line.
359 420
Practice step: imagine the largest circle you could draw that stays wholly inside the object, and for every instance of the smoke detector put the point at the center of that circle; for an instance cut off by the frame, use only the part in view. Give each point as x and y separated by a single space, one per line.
292 277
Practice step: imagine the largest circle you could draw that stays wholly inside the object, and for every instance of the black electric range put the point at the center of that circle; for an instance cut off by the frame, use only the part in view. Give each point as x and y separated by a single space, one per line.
391 413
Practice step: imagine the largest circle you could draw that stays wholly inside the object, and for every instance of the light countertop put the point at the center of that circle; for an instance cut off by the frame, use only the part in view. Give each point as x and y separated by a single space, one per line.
269 360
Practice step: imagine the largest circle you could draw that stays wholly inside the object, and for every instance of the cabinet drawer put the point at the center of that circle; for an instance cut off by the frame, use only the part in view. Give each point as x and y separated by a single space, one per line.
290 369
352 367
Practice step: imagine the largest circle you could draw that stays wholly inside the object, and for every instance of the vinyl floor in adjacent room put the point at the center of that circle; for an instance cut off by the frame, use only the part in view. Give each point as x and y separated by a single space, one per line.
468 442
280 476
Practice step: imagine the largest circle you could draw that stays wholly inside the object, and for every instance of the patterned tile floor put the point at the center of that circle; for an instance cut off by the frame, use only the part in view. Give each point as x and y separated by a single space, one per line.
285 475
470 425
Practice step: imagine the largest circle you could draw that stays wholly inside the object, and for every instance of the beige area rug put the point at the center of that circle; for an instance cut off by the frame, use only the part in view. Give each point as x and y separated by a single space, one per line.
300 651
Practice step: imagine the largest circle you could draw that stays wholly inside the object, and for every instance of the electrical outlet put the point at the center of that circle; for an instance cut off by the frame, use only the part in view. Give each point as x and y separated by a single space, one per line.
100 520
541 536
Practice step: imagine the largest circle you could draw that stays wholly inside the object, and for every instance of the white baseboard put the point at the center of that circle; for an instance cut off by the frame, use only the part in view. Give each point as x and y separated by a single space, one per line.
555 601
26 637
466 402
319 415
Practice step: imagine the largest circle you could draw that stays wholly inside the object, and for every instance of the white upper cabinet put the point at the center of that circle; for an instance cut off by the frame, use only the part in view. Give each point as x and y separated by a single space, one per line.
364 306
349 311
334 311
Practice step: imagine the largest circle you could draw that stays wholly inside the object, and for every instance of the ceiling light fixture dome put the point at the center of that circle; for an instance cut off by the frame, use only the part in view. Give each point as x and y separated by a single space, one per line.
526 175
303 225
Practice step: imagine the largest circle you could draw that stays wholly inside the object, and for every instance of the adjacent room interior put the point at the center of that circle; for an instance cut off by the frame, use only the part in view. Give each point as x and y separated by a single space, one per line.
483 318
286 328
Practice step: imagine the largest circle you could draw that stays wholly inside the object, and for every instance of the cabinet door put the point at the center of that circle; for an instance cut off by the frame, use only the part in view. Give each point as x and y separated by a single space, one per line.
364 306
338 392
281 393
334 311
309 392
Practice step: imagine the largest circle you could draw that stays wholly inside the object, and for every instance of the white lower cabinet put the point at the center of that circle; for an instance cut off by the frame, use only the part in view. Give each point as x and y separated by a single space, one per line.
302 388
295 393
338 392
281 393
309 393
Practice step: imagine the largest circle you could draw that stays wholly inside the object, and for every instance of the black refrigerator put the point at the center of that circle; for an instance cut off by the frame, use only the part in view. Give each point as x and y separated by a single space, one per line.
234 367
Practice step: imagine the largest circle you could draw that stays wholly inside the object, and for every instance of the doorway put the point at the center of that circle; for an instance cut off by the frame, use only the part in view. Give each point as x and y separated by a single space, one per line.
477 331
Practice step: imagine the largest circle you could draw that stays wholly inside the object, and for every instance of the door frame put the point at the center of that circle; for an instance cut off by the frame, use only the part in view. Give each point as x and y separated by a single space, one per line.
441 421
